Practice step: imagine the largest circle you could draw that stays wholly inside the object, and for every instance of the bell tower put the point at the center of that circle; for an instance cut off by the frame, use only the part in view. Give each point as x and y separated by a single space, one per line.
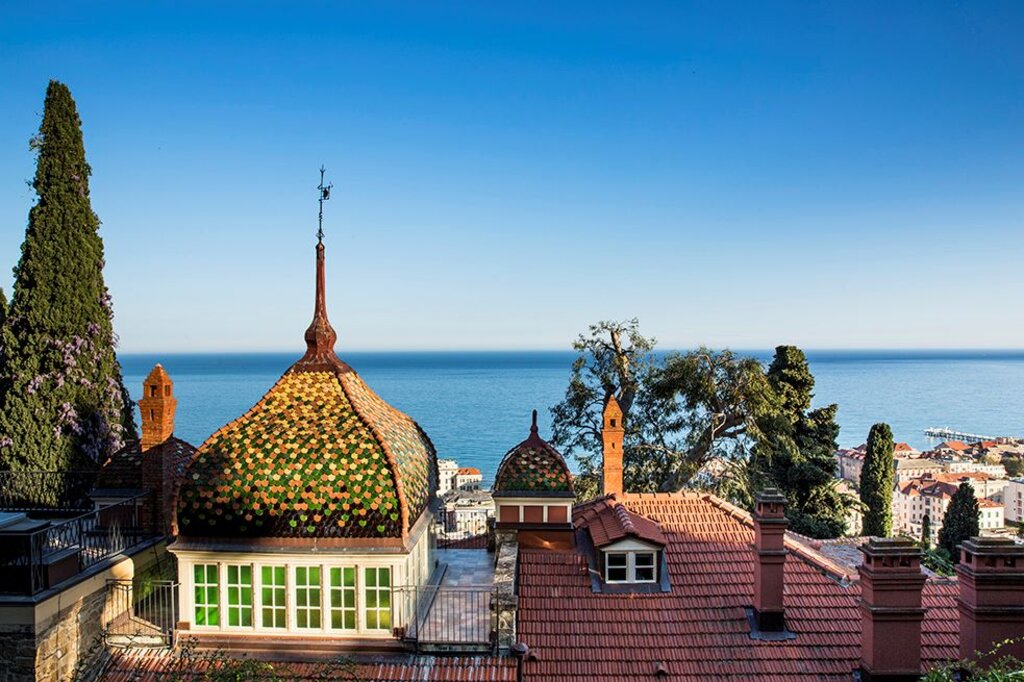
611 440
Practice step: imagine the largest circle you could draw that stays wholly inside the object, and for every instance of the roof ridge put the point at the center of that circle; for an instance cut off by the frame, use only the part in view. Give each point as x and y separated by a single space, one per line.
625 518
799 549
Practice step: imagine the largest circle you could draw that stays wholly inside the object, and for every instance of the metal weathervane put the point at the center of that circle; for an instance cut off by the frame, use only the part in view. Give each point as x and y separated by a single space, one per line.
325 194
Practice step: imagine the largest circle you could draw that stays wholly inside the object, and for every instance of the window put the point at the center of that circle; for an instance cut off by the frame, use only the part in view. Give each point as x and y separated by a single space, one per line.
273 595
343 598
643 567
307 596
378 598
630 567
616 567
239 584
205 584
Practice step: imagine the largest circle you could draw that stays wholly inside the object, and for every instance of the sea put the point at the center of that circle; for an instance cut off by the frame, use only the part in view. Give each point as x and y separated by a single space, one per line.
475 406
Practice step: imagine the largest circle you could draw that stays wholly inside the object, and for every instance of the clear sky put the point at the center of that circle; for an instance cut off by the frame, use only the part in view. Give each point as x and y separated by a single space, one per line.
834 174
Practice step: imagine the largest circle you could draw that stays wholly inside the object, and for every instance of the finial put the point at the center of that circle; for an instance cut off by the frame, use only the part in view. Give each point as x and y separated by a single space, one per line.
533 426
325 194
320 336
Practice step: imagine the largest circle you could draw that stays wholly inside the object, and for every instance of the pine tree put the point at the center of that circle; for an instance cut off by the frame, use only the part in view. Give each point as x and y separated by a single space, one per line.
63 404
961 522
926 531
876 481
798 448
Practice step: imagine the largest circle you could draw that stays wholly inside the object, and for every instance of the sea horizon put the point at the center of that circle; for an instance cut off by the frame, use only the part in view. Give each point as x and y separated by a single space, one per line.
475 405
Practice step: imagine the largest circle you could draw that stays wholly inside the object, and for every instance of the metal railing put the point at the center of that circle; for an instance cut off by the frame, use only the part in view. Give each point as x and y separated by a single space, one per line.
34 561
142 612
448 615
57 491
462 529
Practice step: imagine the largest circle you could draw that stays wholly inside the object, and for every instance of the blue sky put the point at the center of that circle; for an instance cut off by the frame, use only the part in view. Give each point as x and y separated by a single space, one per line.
835 175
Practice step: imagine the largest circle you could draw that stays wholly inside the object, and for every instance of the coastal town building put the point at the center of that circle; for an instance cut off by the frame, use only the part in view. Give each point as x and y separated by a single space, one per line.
468 478
1013 500
446 470
931 496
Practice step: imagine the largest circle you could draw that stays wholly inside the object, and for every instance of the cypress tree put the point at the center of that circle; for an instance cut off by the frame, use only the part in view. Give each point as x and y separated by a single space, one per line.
926 531
961 522
63 404
876 481
797 449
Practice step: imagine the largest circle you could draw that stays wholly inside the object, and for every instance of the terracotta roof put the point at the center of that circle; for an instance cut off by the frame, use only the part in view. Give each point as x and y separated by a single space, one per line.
468 471
957 445
608 521
123 470
155 665
533 466
989 504
319 456
699 630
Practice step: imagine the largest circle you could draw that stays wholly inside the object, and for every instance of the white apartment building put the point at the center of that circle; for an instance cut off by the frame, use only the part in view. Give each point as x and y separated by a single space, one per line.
931 495
1013 500
446 470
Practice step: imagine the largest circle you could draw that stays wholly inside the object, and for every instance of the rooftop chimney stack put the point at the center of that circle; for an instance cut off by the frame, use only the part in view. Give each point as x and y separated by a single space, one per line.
157 407
991 572
891 613
769 542
611 436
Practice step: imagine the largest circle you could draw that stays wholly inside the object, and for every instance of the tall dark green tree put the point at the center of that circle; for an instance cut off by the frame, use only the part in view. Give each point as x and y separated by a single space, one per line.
797 450
926 531
961 522
63 404
876 481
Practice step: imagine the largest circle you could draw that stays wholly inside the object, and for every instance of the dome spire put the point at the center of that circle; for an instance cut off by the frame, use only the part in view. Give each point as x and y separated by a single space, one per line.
320 335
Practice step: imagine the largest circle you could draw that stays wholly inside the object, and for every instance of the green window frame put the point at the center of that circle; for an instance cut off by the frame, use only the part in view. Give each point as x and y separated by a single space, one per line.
307 596
377 587
273 592
239 588
342 609
207 603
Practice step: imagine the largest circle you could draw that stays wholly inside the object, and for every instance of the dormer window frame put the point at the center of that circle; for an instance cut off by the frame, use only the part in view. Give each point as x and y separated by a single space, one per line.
630 549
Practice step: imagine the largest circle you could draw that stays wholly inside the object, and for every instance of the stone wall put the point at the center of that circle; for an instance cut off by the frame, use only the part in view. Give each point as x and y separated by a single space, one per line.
506 601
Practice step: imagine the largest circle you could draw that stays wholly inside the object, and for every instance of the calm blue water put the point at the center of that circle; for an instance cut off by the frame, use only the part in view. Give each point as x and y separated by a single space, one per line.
476 405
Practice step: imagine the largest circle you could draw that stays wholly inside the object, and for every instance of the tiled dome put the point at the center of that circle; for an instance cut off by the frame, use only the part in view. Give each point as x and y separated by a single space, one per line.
533 467
319 456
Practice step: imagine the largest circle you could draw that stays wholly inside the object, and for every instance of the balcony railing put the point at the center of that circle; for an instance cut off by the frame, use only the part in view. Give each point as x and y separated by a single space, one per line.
46 491
31 562
448 617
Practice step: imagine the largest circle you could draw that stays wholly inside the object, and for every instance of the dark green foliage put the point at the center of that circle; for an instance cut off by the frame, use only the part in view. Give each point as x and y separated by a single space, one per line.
63 405
1014 466
703 405
926 531
614 358
961 522
876 482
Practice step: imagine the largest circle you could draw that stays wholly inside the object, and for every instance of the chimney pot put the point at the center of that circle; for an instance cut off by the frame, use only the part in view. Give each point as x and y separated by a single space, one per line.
770 544
157 407
891 613
991 602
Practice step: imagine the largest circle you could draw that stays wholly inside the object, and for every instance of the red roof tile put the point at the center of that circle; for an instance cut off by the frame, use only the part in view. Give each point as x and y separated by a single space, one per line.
123 471
609 521
699 630
156 665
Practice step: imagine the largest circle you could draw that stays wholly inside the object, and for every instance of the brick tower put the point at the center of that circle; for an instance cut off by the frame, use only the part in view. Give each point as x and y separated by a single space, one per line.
611 437
157 407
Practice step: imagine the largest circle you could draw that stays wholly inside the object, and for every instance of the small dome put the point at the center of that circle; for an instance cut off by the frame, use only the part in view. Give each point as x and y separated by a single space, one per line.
532 467
319 456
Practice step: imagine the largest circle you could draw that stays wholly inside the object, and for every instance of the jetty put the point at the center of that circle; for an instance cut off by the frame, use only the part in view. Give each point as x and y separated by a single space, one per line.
943 434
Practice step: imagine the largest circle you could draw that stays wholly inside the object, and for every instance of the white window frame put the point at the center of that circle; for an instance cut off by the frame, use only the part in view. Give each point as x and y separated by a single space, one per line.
631 567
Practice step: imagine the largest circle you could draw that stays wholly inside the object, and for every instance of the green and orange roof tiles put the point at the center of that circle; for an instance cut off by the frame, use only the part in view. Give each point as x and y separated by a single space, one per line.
533 467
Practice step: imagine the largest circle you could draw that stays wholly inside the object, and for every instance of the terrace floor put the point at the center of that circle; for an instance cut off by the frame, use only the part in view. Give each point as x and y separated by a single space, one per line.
458 610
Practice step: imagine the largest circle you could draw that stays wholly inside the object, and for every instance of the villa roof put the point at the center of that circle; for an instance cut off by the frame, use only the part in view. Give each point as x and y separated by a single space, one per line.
154 665
533 467
123 470
319 456
608 521
699 630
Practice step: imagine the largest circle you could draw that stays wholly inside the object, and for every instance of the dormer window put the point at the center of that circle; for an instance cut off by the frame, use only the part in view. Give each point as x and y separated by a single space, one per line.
630 567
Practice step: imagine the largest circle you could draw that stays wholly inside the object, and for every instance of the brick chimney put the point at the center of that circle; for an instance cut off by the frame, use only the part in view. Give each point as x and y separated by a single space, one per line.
157 407
769 542
891 613
611 437
991 572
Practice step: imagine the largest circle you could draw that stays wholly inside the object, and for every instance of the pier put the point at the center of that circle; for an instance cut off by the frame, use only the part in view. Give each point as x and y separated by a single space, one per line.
942 434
